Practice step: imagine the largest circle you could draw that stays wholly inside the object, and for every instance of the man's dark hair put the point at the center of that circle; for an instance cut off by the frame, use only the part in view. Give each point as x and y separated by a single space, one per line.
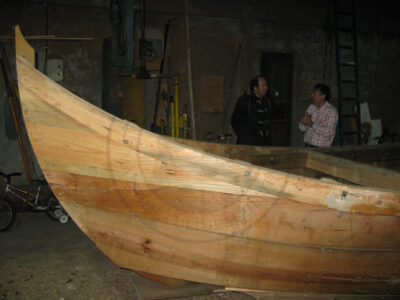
254 82
323 89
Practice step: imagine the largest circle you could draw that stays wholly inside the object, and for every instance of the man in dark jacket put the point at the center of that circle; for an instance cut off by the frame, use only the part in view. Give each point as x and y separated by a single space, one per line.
251 119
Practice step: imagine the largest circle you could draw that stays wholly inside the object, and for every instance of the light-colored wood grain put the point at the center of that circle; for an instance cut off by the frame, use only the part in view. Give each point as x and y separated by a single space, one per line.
139 244
264 218
25 51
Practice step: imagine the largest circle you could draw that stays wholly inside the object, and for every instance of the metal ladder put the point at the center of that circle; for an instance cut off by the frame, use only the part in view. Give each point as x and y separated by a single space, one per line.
347 81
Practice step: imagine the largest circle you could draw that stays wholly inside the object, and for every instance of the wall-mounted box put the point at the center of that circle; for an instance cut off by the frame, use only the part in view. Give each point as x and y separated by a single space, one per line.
55 69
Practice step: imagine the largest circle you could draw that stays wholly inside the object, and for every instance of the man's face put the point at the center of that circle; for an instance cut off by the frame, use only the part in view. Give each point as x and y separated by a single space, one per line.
262 88
318 99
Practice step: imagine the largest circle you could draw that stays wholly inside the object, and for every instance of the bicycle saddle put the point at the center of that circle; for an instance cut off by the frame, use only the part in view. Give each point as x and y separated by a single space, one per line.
8 176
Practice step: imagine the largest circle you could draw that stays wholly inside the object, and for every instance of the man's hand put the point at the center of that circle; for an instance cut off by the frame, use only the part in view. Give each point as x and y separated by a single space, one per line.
306 120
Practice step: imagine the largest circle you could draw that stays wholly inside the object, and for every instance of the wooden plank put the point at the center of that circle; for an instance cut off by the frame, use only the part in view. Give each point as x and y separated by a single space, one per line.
50 116
140 244
277 161
213 148
24 50
231 150
93 155
380 155
372 154
48 37
263 218
355 172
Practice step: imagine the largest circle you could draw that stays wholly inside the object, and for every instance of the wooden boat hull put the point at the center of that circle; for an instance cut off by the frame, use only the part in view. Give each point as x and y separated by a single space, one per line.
154 205
149 246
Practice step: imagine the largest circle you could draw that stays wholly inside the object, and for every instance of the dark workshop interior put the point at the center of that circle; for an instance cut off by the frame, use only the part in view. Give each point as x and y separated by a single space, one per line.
177 68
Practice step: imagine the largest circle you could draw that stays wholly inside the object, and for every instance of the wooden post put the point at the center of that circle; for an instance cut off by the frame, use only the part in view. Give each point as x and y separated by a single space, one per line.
189 73
21 144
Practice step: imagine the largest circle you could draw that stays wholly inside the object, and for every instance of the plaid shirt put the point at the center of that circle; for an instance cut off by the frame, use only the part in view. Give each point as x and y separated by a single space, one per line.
323 129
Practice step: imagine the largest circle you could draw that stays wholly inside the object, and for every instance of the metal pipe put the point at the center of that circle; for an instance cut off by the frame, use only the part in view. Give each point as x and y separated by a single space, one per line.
142 40
127 57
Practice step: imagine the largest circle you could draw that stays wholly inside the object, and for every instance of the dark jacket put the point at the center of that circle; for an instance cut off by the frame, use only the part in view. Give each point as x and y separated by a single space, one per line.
251 120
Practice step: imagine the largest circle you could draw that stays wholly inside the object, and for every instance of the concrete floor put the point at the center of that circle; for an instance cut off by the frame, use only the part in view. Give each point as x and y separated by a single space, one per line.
42 259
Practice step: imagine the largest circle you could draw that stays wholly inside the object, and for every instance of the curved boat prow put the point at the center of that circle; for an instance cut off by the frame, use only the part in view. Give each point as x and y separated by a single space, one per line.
23 49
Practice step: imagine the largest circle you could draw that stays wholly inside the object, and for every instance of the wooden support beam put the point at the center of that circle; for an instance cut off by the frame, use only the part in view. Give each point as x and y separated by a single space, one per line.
373 154
355 172
48 37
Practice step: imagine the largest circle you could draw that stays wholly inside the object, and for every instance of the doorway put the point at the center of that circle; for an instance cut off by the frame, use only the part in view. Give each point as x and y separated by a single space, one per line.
277 68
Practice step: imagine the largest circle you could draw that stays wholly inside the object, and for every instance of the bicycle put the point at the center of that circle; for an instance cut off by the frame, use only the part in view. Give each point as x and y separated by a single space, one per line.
7 210
50 204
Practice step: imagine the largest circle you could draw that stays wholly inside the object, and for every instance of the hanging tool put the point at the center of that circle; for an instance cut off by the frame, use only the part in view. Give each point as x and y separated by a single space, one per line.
341 15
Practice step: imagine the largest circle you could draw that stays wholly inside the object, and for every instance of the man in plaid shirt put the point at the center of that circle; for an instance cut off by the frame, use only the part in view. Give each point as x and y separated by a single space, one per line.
319 122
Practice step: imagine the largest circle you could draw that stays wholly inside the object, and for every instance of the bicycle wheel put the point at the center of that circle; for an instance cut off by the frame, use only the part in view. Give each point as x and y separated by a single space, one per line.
54 210
7 215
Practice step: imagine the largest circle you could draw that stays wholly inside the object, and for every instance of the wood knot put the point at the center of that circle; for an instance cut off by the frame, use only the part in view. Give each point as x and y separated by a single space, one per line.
145 246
